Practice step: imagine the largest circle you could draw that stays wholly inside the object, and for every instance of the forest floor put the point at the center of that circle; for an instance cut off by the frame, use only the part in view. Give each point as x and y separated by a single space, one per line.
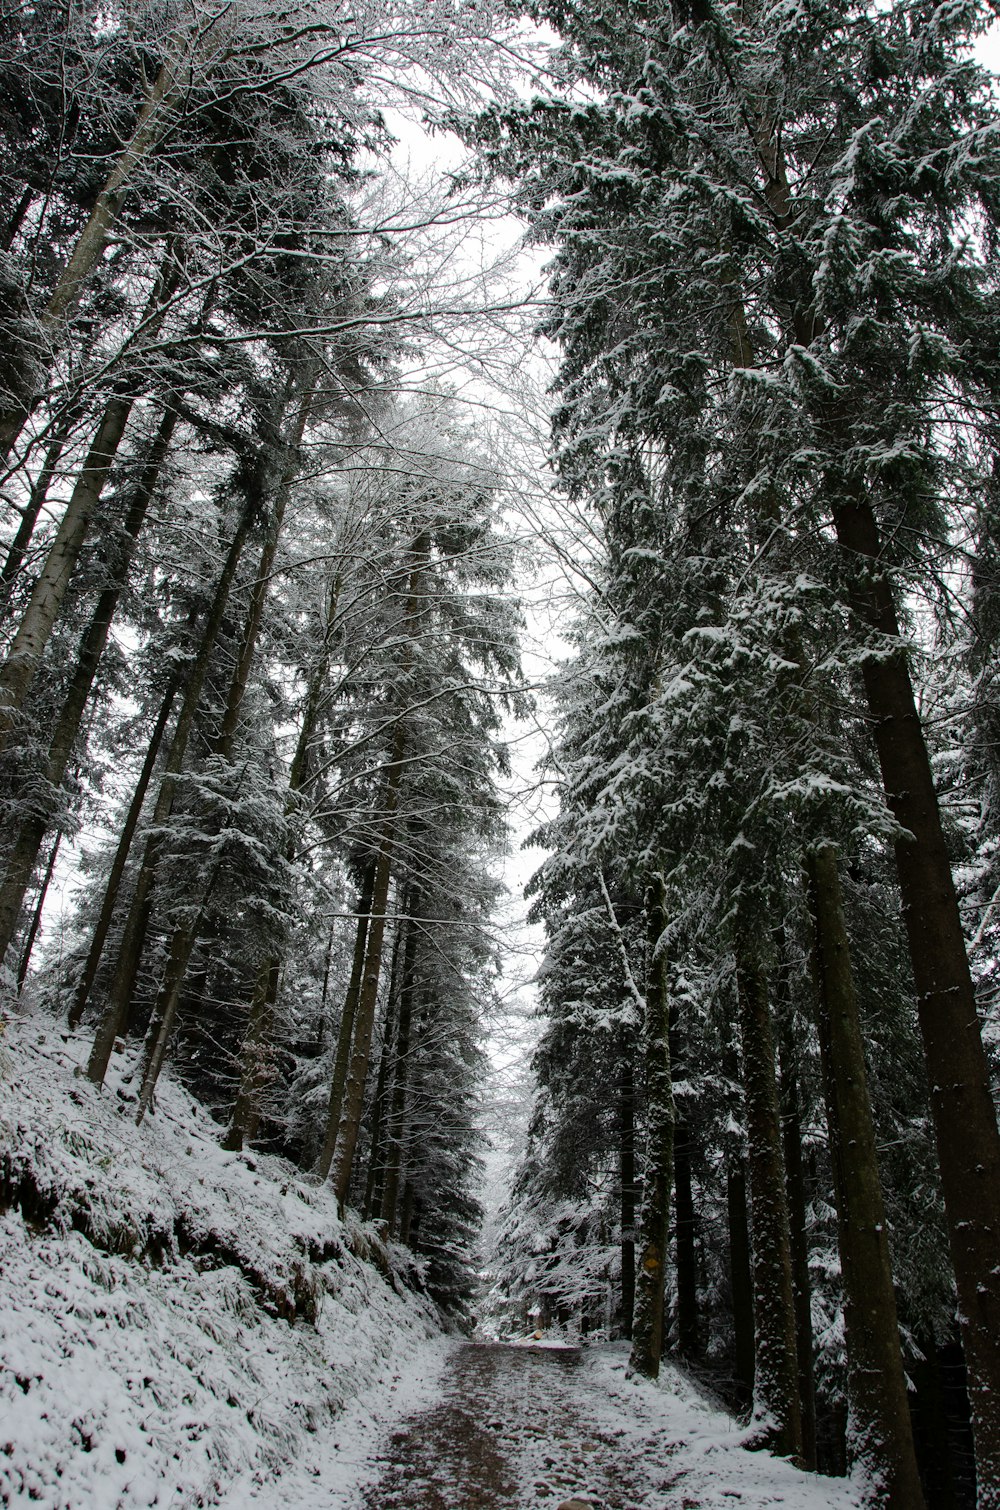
488 1426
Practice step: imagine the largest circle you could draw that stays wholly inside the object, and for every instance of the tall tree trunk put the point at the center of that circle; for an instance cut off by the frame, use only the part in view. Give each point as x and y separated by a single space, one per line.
42 610
130 951
16 218
246 1112
253 1072
24 855
777 1418
354 1090
626 1178
39 617
965 1120
18 547
36 918
654 1216
396 1119
346 1135
688 1339
740 1275
186 936
881 1437
164 1012
791 1138
262 582
90 246
345 1035
182 942
376 1156
88 975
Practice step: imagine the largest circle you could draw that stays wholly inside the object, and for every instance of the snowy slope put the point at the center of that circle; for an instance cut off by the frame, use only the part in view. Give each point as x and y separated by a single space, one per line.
174 1319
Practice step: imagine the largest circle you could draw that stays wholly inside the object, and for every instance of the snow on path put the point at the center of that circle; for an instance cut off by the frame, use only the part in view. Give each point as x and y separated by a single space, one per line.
483 1426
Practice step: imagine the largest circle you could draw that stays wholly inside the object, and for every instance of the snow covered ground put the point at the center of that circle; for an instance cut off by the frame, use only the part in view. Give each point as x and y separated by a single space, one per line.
174 1319
467 1426
183 1327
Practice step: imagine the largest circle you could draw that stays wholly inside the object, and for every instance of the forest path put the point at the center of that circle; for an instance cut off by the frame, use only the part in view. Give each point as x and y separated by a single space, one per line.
487 1426
515 1427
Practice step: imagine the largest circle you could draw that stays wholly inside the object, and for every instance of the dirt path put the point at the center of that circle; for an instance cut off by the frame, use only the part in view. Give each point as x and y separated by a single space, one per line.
511 1430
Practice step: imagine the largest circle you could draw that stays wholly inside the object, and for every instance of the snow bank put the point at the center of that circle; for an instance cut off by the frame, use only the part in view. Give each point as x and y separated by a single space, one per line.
173 1318
693 1448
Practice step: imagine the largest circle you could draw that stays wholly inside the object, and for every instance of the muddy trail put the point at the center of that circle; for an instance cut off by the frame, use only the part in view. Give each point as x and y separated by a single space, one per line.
512 1429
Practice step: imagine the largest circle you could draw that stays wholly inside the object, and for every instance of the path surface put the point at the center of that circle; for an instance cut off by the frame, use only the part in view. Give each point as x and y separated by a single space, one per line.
508 1432
484 1426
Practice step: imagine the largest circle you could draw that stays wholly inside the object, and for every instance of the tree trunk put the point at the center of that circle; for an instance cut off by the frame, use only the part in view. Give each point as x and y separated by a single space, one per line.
184 939
36 919
740 1276
18 547
688 1339
42 610
245 1118
253 1077
777 1418
345 1035
880 1436
965 1120
791 1139
376 1156
24 855
28 645
89 973
626 1179
93 239
164 1012
654 1215
346 1135
137 922
354 1090
262 583
396 1120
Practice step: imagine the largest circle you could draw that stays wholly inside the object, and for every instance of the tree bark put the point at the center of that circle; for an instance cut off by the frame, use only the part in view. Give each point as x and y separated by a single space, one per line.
791 1138
88 975
346 1135
354 1090
42 610
93 238
396 1121
36 918
18 547
880 1436
253 1076
654 1215
24 855
965 1120
345 1035
262 582
688 1338
137 922
626 1179
740 1276
377 1153
777 1418
33 633
245 1117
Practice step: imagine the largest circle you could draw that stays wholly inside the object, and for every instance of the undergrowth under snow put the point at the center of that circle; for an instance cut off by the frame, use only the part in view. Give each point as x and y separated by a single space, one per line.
173 1318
